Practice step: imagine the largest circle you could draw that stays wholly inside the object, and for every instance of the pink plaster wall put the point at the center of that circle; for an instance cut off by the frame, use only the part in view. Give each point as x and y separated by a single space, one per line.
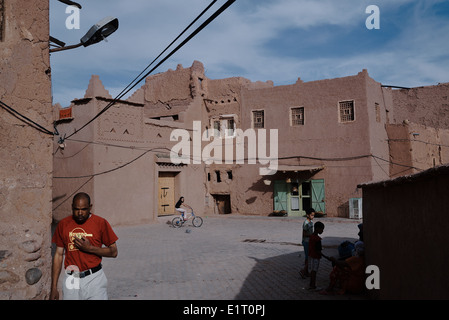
428 106
25 153
416 146
322 136
116 158
350 153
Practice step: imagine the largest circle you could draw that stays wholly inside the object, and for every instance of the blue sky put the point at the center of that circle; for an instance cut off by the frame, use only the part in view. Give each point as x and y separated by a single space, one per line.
278 40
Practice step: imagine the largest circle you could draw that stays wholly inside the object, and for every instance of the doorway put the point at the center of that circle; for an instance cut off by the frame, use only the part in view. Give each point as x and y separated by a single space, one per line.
223 203
294 196
166 193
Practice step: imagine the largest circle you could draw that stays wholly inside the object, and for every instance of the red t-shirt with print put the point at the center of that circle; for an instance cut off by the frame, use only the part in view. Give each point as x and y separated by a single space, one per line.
95 229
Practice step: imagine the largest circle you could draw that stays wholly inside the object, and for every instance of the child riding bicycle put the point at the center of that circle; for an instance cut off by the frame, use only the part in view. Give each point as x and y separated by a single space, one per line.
178 208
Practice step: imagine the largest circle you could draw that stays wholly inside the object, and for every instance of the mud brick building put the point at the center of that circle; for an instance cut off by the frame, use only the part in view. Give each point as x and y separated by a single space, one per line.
330 136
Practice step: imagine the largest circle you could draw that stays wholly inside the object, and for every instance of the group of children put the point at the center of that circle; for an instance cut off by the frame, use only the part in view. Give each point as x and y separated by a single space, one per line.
348 274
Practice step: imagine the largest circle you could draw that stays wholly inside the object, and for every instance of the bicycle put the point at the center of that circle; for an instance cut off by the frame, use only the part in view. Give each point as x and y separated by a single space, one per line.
178 222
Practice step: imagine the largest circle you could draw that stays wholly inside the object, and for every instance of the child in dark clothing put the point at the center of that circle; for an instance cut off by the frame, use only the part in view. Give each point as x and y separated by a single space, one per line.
307 230
315 252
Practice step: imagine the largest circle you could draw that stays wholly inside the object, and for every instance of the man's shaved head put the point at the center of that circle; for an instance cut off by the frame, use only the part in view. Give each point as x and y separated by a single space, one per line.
82 195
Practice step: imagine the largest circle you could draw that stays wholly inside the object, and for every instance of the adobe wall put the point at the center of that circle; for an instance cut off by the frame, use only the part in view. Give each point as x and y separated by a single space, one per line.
400 145
74 161
322 136
185 95
25 153
129 195
405 231
117 157
119 143
427 106
173 92
416 146
378 104
351 153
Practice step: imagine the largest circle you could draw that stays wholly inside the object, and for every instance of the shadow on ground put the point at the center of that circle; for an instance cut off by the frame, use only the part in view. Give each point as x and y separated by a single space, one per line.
277 278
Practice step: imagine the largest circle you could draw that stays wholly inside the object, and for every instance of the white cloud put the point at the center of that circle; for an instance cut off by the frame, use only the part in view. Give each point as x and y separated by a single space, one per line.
410 51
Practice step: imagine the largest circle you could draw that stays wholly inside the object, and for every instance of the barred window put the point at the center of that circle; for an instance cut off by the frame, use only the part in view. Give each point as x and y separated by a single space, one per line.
258 119
347 111
224 126
377 108
297 116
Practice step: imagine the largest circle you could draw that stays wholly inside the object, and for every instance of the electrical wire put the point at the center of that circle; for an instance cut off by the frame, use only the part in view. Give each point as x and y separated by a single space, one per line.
162 149
124 91
72 194
421 141
193 34
397 164
42 129
169 151
25 119
113 169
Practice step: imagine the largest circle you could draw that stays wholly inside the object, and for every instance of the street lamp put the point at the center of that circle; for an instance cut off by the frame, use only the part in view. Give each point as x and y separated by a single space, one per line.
98 32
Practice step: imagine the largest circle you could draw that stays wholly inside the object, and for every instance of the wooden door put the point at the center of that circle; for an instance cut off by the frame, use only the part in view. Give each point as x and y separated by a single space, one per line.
280 195
318 199
166 193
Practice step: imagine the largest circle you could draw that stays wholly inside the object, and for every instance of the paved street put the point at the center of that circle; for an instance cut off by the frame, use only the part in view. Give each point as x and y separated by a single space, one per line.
227 258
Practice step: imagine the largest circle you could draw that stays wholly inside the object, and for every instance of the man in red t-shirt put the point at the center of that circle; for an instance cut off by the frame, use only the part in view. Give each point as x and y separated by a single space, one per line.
84 238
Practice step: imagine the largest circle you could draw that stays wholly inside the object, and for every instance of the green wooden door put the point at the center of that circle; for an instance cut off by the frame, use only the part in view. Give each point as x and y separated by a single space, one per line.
318 195
280 195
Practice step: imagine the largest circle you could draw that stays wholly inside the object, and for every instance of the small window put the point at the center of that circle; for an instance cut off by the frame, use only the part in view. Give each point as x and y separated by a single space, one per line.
347 111
230 127
297 116
224 126
217 173
229 172
217 128
377 107
258 119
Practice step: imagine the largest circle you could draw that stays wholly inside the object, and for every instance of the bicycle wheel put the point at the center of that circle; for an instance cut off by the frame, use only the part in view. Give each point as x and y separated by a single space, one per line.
197 221
176 222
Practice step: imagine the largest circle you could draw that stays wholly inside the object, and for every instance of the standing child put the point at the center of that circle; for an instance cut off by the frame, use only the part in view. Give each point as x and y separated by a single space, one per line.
307 230
315 252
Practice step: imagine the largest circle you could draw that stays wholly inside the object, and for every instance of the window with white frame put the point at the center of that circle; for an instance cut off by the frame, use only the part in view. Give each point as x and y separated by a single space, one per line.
230 127
224 126
346 111
297 116
258 119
